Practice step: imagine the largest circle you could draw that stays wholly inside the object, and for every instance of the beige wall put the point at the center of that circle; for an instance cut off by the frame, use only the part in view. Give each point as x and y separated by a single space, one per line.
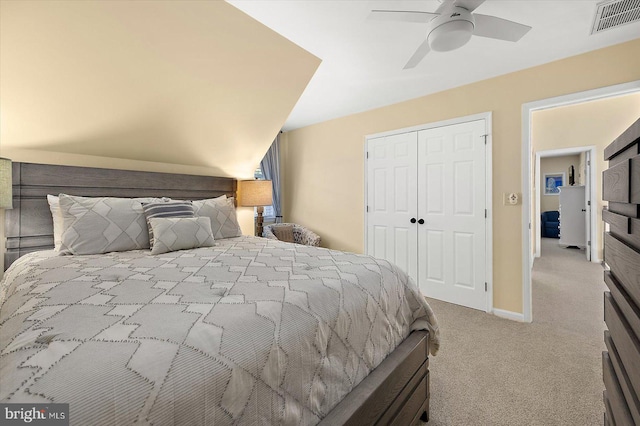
183 83
324 168
595 123
555 165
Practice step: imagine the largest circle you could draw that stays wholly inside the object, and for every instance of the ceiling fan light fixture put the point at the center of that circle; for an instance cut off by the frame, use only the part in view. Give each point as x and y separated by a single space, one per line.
450 35
453 24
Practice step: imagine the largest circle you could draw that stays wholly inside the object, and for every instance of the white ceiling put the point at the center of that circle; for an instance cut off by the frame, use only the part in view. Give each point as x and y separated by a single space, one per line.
362 60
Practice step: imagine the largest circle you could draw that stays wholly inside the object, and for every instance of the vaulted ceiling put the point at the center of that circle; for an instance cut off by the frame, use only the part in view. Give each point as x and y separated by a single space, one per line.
195 83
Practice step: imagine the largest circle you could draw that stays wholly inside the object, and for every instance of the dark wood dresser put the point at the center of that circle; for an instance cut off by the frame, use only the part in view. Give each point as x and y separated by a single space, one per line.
621 361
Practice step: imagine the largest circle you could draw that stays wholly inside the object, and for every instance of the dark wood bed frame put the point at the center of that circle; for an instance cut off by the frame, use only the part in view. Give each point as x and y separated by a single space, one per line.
395 393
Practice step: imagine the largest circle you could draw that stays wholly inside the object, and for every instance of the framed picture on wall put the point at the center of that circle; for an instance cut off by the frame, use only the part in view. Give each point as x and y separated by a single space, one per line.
553 181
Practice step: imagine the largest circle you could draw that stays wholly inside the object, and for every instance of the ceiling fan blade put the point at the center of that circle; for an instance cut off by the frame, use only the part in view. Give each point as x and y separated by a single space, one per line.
401 15
418 55
502 29
447 5
470 5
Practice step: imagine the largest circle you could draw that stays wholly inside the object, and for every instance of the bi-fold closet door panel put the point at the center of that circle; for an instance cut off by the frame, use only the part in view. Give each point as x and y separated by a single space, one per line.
392 201
426 201
451 201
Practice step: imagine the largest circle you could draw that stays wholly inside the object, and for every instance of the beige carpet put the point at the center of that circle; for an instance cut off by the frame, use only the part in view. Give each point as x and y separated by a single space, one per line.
493 371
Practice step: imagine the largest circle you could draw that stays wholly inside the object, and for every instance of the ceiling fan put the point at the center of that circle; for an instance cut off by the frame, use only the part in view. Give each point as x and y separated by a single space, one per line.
452 25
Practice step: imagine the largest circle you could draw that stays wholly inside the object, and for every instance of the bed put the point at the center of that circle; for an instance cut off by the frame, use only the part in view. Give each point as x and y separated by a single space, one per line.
247 331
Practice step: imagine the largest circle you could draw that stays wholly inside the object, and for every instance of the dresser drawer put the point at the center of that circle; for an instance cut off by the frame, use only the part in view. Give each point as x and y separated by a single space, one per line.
631 398
630 310
623 227
631 210
608 418
619 410
623 143
625 154
628 138
625 341
624 262
621 183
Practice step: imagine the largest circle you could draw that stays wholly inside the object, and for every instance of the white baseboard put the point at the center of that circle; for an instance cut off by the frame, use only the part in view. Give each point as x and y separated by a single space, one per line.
514 316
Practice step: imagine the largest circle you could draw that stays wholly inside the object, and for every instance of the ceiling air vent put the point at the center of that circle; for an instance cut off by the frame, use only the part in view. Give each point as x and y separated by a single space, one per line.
614 13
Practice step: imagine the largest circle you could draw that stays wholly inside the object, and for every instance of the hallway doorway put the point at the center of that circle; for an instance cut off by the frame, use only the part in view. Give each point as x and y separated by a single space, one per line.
574 131
577 173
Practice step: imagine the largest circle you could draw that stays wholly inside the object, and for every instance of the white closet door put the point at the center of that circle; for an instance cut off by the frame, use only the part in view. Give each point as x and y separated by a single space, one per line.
451 201
391 198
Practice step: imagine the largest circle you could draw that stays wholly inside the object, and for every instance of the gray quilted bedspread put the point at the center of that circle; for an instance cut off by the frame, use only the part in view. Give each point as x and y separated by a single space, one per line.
251 331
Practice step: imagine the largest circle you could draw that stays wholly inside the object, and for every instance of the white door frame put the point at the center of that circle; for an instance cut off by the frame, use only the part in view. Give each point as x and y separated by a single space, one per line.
592 191
527 184
487 117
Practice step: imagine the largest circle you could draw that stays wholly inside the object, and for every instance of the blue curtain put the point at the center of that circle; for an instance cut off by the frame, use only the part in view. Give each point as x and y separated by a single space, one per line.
270 166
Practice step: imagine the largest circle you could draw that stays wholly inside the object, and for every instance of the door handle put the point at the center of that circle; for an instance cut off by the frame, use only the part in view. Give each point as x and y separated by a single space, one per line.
421 221
413 220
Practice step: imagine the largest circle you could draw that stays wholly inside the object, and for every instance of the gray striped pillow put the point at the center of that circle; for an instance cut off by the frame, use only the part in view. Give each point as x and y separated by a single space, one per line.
166 209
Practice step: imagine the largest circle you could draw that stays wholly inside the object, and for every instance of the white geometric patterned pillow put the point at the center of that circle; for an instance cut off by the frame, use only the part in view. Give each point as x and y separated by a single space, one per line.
166 209
94 225
222 213
180 233
56 215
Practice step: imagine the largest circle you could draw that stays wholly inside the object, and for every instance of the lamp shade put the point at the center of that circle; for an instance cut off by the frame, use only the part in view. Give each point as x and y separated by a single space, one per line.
255 193
6 191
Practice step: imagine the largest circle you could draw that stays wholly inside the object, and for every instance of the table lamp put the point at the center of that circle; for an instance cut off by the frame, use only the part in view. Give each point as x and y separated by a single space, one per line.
256 193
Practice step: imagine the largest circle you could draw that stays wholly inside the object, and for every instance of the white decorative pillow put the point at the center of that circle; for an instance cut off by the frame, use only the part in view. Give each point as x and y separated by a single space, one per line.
166 209
222 213
180 233
54 206
93 225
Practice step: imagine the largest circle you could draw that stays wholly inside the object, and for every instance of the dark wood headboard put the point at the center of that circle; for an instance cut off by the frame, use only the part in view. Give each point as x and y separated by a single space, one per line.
29 226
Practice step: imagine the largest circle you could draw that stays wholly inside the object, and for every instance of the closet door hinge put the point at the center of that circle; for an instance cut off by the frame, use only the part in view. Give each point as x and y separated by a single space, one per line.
485 138
485 286
485 213
589 243
367 209
367 154
589 202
